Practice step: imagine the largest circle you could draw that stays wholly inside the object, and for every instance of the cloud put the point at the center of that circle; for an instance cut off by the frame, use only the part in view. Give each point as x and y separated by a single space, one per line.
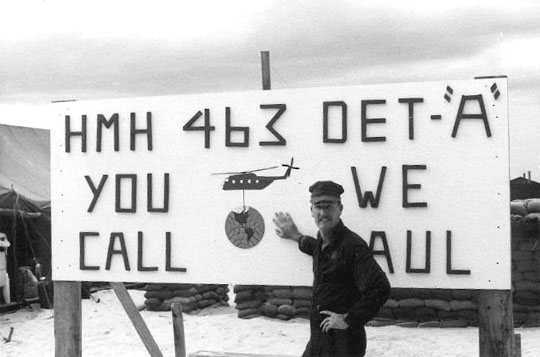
101 50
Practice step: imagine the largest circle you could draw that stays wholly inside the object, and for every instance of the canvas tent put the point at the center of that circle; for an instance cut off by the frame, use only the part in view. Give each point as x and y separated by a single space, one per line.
25 201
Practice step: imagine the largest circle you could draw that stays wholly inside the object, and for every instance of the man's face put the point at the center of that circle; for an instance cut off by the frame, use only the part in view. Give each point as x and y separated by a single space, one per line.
326 214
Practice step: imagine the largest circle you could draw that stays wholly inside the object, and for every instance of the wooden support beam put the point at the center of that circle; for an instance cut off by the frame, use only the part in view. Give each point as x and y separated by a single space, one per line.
517 345
67 319
265 63
178 328
136 319
496 328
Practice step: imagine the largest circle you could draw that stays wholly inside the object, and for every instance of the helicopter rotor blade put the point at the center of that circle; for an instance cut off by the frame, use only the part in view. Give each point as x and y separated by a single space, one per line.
227 173
267 168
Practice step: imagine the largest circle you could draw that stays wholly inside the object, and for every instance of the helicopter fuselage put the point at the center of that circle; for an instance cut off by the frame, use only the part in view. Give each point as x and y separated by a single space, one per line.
249 181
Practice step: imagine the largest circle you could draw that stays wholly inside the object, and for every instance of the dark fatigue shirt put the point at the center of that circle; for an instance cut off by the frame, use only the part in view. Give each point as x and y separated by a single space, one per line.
347 280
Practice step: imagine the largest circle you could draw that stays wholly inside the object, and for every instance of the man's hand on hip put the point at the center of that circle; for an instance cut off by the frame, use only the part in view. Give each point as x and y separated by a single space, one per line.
333 321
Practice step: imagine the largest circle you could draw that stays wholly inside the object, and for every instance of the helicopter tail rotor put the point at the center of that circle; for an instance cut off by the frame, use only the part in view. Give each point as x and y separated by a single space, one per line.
290 167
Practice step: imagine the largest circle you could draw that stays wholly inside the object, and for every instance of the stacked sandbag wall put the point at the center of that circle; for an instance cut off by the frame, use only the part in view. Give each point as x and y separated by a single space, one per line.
281 302
526 268
429 308
525 211
192 297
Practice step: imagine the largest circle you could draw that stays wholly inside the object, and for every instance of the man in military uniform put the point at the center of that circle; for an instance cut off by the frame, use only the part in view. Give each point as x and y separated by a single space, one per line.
349 287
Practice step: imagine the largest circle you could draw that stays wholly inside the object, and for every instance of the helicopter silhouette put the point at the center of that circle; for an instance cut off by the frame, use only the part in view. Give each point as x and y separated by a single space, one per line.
248 180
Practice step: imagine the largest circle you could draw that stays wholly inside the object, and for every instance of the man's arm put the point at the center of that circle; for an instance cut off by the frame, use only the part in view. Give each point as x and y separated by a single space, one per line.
373 285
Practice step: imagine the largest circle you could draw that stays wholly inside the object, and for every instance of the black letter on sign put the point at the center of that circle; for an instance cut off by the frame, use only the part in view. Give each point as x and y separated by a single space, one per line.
366 121
411 102
385 251
343 106
280 139
122 250
229 129
102 121
368 197
70 133
147 131
461 115
140 266
407 186
95 191
449 269
82 264
150 197
168 266
133 179
427 269
207 128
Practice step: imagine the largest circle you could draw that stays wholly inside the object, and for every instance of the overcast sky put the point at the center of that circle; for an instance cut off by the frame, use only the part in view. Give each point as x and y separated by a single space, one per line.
53 50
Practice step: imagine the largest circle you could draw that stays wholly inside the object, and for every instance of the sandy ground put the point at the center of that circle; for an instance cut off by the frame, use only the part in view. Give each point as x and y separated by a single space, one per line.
107 331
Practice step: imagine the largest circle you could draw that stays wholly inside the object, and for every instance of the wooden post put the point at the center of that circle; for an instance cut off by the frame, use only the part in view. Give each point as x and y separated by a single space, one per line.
517 345
178 328
67 319
265 63
136 319
496 328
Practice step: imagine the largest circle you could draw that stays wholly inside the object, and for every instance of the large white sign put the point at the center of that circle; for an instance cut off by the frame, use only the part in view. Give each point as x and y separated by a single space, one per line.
184 188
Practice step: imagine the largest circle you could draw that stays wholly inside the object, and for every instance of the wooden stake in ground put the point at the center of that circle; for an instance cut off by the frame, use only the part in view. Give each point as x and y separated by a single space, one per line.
496 328
136 319
67 319
178 328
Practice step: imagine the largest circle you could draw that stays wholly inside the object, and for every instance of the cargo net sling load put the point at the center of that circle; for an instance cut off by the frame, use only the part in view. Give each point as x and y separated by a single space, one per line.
245 226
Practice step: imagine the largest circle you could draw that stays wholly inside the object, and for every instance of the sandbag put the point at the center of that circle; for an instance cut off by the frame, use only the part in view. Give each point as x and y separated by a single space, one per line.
283 317
249 304
160 307
458 305
180 300
153 287
409 324
163 294
153 302
453 323
468 315
381 322
302 293
532 205
205 303
287 310
438 304
532 217
239 288
412 302
425 313
527 285
519 207
243 295
278 302
391 303
248 313
269 309
282 293
301 303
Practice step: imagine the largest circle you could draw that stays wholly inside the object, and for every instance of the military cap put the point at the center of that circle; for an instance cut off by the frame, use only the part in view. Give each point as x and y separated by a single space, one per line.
325 191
